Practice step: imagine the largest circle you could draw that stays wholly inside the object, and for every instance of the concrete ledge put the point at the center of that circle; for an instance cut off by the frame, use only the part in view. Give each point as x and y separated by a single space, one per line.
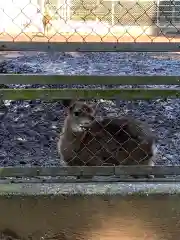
121 189
104 217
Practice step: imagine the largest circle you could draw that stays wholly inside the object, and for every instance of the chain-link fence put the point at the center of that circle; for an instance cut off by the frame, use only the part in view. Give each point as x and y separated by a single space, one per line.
106 134
90 21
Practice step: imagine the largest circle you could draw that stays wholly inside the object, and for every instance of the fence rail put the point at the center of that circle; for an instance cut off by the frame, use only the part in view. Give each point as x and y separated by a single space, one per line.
88 79
89 174
117 171
66 93
85 46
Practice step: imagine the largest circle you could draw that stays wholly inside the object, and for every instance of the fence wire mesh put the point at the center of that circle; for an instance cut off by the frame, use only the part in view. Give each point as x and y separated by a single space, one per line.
101 132
90 20
88 133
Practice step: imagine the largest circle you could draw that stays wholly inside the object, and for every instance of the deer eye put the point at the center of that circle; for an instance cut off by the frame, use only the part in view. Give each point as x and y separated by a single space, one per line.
77 113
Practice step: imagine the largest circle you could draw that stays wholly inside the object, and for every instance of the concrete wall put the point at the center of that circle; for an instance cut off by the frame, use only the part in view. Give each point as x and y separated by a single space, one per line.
91 211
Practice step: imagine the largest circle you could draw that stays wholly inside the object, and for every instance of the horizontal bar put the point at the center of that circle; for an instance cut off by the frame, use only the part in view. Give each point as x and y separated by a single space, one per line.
89 171
66 93
87 79
55 171
90 46
147 170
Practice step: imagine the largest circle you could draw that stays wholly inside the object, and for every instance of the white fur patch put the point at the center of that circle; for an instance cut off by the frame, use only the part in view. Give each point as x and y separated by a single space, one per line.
62 162
77 128
153 158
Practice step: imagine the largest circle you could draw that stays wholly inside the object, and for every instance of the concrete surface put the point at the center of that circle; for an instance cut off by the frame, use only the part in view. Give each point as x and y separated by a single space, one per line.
120 189
91 218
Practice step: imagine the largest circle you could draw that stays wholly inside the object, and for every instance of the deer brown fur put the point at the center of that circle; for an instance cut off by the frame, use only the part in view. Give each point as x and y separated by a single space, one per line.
108 141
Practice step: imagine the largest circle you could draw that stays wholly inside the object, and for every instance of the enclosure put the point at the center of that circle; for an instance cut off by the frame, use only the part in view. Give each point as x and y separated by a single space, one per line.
126 74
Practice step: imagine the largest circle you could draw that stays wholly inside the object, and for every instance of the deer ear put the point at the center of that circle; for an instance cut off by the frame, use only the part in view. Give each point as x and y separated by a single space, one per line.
67 103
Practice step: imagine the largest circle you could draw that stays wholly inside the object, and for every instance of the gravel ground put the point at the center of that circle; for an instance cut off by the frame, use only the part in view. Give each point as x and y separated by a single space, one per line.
29 129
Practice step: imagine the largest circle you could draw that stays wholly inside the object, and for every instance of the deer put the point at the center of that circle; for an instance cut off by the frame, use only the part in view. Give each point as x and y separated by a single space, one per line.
46 22
88 141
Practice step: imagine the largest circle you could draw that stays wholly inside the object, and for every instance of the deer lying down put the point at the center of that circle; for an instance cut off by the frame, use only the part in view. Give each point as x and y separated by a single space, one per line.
118 141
